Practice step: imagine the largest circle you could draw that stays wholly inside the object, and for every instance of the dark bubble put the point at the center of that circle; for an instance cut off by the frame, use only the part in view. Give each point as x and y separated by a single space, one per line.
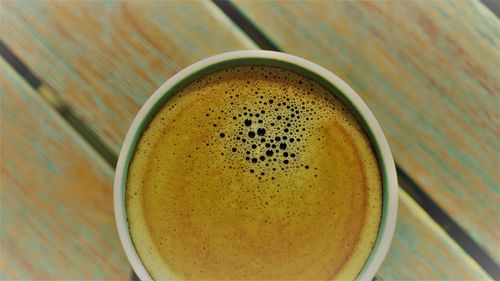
268 145
254 146
248 122
307 167
238 138
248 152
262 140
272 124
277 138
279 117
269 153
257 115
261 131
234 149
285 154
286 161
291 140
262 158
292 155
234 117
283 145
251 134
254 160
286 130
271 101
285 137
252 171
260 121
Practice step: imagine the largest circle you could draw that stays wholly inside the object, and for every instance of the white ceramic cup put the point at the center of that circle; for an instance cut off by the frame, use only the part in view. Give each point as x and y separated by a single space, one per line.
293 63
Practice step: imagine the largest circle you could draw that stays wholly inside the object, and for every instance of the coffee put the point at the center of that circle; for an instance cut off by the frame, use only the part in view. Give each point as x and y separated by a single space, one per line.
254 172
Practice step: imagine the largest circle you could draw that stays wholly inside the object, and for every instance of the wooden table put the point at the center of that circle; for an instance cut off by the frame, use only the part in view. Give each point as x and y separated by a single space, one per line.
74 74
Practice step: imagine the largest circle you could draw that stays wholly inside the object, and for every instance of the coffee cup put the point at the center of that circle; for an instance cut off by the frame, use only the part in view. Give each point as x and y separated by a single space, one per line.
305 68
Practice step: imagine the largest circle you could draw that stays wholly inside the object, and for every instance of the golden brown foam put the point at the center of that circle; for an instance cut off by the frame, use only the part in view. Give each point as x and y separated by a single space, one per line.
254 173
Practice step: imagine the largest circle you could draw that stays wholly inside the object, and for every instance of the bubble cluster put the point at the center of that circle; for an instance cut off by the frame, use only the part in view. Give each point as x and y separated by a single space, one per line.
269 133
266 124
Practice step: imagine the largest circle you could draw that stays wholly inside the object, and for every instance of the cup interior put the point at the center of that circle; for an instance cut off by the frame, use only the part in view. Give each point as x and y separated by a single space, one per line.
267 58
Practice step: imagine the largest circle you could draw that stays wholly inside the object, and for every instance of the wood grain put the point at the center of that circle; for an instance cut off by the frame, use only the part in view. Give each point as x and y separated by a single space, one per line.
421 250
106 80
105 58
429 72
56 206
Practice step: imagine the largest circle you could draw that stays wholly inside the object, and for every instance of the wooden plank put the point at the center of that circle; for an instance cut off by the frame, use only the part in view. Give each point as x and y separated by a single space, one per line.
56 206
429 72
105 58
32 27
421 250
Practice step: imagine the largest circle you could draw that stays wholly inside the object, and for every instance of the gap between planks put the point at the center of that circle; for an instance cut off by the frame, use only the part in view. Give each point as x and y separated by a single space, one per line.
55 101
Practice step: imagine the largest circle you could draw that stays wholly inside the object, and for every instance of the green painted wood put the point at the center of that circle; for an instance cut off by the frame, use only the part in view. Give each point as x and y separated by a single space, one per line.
106 80
56 208
429 72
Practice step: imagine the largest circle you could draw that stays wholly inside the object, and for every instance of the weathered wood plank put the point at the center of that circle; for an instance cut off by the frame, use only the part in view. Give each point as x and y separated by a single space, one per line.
105 58
43 37
421 250
56 206
429 71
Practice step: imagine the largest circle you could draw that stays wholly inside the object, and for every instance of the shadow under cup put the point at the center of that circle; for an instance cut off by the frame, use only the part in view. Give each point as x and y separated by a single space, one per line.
263 58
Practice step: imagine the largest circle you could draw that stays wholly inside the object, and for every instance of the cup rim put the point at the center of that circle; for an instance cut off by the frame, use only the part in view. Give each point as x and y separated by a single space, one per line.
294 63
